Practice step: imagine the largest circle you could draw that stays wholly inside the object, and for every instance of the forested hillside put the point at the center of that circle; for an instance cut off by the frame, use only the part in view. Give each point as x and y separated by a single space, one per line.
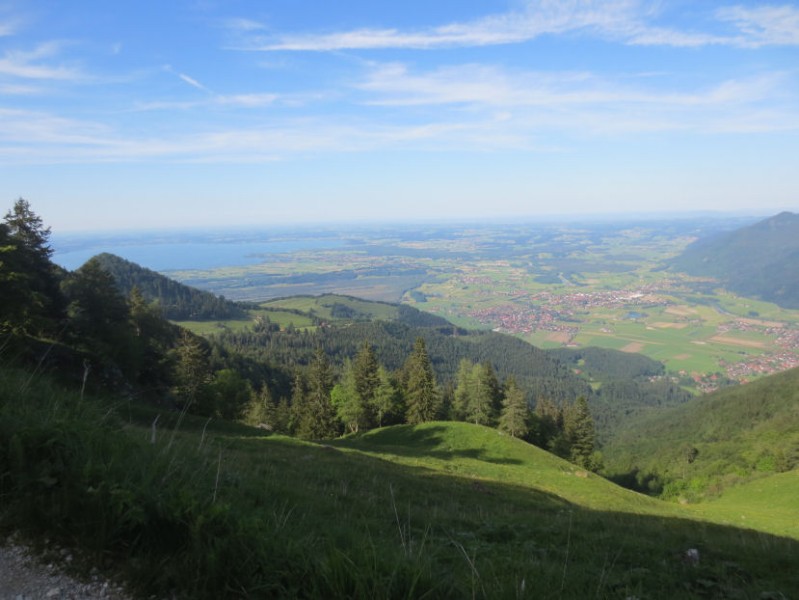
176 301
760 261
702 447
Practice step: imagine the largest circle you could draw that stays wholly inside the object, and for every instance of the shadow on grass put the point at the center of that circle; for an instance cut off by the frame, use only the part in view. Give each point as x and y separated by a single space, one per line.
414 442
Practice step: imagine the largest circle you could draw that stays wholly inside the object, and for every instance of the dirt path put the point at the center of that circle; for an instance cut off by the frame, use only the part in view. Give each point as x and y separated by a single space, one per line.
24 577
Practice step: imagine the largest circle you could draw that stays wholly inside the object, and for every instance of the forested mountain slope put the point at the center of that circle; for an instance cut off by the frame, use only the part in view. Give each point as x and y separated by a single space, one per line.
761 260
177 302
713 442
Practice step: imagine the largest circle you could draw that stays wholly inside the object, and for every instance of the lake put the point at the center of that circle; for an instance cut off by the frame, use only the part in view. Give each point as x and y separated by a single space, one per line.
161 255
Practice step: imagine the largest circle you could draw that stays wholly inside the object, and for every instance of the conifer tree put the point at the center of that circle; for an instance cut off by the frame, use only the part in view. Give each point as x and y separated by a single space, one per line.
485 398
348 403
319 421
580 432
192 371
421 394
31 301
387 402
367 380
515 411
299 404
261 410
464 386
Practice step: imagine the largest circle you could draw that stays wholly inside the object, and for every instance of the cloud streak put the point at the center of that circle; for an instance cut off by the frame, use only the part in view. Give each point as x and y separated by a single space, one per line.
625 21
30 65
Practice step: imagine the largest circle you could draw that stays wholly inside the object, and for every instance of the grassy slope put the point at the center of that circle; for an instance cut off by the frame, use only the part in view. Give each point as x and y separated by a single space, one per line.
767 504
438 510
737 432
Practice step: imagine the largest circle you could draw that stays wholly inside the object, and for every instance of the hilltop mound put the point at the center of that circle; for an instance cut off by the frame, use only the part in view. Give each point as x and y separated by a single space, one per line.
486 454
759 261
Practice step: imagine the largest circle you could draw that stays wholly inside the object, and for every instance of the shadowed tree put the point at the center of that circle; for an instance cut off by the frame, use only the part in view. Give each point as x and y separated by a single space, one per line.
30 300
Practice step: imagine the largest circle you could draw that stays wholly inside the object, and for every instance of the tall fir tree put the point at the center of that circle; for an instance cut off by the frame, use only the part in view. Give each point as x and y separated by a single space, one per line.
367 380
421 393
319 420
31 302
348 403
387 403
464 388
580 432
515 412
486 398
192 372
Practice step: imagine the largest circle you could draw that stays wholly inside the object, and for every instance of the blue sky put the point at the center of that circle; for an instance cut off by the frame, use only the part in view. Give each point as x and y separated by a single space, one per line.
219 113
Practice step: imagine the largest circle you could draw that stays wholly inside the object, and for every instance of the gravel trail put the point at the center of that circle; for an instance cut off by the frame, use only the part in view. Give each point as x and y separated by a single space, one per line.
23 576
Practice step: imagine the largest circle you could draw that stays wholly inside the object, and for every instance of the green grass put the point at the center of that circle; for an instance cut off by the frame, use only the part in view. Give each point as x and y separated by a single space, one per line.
766 504
322 307
282 318
442 510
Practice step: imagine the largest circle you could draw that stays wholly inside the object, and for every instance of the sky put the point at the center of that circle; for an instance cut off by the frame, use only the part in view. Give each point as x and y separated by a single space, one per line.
203 113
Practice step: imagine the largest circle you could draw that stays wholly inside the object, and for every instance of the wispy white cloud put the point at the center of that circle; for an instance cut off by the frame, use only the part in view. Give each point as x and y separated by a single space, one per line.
257 100
536 19
32 65
8 27
192 82
764 25
624 21
575 103
393 84
242 25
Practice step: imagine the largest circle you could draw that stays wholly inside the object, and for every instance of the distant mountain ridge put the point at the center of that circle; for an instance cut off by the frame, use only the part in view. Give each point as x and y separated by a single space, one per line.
759 261
178 302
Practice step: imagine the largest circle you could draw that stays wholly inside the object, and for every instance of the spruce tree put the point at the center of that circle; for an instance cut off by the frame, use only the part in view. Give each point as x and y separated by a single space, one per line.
192 371
319 421
387 402
515 412
31 299
349 406
485 399
464 387
365 371
421 394
580 432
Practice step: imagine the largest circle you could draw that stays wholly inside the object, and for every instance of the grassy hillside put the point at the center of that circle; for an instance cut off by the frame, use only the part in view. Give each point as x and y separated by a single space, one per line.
768 503
705 446
759 260
206 510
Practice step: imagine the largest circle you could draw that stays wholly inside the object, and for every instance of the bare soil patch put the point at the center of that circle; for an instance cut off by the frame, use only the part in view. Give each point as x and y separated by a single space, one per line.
732 341
666 325
681 311
633 347
559 337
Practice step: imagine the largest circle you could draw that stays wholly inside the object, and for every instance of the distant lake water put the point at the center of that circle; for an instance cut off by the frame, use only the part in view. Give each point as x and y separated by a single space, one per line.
167 256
